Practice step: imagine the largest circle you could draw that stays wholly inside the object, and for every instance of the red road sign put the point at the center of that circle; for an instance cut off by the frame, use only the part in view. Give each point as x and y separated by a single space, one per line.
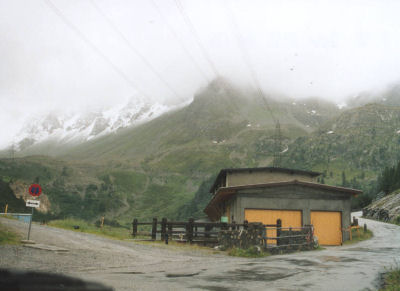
35 190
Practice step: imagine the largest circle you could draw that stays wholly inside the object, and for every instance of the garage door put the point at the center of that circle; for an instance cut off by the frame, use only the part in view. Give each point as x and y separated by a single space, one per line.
289 218
327 227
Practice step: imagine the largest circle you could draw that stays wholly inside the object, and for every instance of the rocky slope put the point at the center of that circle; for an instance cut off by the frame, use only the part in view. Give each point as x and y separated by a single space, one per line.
385 209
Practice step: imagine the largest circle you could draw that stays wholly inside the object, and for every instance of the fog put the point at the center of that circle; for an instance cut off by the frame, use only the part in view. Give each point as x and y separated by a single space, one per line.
81 55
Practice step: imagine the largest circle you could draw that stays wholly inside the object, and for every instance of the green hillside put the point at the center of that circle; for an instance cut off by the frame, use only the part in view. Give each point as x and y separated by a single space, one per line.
352 148
156 168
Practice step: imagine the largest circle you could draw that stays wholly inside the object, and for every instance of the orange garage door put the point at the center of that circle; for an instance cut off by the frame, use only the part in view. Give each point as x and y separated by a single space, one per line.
289 218
327 227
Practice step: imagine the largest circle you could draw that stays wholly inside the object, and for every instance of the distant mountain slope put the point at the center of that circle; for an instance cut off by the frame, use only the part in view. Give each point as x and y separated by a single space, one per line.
389 97
155 168
359 142
218 117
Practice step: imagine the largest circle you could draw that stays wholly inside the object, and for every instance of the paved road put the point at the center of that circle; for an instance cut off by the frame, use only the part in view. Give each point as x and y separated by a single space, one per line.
126 265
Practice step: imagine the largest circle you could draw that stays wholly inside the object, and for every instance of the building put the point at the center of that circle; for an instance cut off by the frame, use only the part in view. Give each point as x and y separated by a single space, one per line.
294 196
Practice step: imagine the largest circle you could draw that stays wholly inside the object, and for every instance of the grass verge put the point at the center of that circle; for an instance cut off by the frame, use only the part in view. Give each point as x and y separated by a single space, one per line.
359 235
84 226
391 281
8 237
252 252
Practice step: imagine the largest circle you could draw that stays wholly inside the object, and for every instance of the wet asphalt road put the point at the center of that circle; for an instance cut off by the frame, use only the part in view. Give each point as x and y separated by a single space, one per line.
126 265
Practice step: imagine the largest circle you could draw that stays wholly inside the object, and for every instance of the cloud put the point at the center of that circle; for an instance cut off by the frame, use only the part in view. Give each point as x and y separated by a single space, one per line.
329 49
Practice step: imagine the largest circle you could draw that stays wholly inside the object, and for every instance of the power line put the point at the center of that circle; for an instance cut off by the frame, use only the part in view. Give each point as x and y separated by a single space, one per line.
246 58
133 49
196 36
178 39
202 48
93 47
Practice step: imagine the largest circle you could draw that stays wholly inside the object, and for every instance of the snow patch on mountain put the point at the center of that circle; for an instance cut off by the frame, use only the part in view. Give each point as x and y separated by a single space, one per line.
79 127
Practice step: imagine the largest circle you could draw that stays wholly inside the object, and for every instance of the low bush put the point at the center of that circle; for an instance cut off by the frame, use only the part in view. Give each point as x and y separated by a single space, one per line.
391 281
359 235
397 220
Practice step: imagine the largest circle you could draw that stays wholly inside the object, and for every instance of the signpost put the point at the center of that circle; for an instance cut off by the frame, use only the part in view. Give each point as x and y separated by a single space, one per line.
34 190
32 203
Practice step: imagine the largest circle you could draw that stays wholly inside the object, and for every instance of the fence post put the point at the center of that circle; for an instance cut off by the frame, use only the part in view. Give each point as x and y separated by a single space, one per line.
245 224
278 231
163 228
290 240
189 230
264 235
170 230
233 226
134 227
207 228
154 229
365 227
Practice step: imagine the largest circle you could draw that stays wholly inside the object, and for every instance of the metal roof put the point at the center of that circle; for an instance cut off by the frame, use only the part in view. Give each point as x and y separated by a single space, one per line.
271 169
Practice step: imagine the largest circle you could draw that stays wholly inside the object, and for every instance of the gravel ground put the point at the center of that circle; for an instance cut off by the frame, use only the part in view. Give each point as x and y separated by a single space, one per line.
127 265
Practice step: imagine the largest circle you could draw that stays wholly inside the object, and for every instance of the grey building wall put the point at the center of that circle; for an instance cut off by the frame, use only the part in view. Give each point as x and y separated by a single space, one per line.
293 197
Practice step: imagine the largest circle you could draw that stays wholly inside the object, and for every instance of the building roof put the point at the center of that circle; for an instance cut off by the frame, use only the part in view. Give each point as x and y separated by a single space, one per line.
224 193
262 169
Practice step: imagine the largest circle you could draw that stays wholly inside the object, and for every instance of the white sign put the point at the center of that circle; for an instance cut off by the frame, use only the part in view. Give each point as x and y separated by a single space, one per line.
32 203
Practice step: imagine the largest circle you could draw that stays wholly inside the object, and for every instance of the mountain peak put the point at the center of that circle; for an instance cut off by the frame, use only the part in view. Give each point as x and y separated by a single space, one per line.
72 128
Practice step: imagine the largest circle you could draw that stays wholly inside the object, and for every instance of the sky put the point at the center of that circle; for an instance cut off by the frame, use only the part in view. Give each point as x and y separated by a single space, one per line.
69 55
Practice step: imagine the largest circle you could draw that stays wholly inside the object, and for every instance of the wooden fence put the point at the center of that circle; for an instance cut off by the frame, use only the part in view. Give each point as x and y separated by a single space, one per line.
272 235
184 231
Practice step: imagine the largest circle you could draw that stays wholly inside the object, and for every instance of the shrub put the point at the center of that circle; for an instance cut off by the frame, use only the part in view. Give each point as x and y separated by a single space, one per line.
397 220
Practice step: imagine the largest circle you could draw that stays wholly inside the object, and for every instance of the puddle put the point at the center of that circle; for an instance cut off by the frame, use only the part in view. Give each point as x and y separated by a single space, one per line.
251 275
358 250
213 288
339 259
376 250
303 263
128 273
177 275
